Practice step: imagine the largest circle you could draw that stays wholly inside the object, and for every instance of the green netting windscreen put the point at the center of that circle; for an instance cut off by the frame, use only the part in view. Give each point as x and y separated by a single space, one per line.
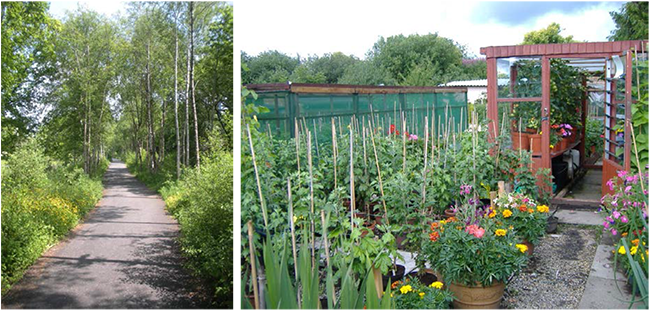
316 111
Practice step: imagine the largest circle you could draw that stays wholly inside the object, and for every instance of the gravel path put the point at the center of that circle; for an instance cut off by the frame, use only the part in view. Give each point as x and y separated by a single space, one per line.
123 256
556 275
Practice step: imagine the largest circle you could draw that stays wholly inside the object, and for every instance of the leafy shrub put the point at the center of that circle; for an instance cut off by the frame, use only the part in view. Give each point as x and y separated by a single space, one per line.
42 200
202 202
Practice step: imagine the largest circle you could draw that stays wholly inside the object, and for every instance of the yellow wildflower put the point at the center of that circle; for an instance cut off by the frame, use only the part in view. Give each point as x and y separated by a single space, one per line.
621 250
437 285
542 209
633 250
405 289
443 222
500 232
522 247
492 214
421 295
507 213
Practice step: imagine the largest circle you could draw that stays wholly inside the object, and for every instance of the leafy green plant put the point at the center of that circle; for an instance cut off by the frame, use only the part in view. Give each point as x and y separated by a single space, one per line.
411 294
523 215
484 251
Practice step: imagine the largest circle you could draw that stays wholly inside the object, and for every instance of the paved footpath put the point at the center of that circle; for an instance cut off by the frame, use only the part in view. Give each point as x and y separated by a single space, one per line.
605 288
123 256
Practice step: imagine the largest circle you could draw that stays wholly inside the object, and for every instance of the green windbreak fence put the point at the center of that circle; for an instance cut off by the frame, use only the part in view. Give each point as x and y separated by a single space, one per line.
316 110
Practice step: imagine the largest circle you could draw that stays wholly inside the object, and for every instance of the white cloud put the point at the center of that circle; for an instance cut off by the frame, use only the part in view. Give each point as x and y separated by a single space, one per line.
353 27
108 8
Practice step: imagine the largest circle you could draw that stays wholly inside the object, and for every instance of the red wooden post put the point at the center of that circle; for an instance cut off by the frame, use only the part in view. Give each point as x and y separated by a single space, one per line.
493 106
546 113
628 110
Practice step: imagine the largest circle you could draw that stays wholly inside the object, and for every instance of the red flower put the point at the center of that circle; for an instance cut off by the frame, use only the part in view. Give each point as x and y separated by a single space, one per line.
391 129
434 236
523 208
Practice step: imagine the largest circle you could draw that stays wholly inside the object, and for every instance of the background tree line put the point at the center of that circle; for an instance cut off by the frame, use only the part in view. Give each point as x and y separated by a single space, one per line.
414 60
152 86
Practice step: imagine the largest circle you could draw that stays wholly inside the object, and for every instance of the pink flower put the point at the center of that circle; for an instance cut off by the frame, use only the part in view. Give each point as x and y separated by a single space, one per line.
606 224
610 184
621 173
616 214
628 188
413 137
475 231
614 232
624 219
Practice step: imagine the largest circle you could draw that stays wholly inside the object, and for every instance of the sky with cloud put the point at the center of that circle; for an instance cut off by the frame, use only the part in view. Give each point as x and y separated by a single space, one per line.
352 27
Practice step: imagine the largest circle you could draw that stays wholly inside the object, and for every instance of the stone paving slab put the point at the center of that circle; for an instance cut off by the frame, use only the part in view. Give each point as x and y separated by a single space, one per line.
579 217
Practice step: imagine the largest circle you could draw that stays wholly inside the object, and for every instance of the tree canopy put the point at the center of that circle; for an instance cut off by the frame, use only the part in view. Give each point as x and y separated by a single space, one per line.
548 35
631 22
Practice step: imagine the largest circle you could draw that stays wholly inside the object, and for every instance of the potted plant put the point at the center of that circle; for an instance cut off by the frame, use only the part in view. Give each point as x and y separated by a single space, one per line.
475 255
412 294
523 216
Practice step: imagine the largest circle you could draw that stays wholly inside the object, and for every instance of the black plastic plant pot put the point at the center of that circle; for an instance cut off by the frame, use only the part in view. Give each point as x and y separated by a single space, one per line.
393 275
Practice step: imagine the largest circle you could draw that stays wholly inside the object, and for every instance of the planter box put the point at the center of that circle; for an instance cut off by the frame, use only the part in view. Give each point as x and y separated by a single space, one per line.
518 137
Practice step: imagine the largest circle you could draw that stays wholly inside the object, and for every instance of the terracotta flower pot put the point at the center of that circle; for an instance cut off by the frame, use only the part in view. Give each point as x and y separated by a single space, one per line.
449 213
478 296
536 143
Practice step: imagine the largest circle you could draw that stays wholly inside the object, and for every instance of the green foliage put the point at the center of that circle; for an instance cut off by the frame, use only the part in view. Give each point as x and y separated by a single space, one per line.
27 55
411 294
593 136
202 202
464 258
640 114
268 67
422 59
526 218
550 34
631 22
41 201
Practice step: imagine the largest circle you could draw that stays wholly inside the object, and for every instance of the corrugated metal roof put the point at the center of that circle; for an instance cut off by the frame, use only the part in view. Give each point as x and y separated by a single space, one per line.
473 83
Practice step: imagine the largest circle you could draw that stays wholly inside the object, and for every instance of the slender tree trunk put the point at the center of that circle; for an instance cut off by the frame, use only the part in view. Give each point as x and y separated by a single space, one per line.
187 110
178 145
85 145
152 135
196 123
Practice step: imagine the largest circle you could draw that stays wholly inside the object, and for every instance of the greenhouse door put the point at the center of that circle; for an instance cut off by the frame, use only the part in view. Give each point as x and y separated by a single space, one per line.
615 111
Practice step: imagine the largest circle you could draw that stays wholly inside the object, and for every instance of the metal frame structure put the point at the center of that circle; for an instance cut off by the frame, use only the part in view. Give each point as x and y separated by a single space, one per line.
584 51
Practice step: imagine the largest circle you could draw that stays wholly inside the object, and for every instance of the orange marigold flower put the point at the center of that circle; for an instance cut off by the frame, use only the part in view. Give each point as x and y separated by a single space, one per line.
635 242
624 234
531 210
434 236
434 225
395 284
523 208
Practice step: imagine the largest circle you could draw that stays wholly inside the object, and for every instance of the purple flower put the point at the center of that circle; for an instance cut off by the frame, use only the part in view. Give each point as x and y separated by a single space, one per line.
610 184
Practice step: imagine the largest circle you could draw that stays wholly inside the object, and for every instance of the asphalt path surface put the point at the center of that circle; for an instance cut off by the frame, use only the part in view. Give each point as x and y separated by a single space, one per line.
124 255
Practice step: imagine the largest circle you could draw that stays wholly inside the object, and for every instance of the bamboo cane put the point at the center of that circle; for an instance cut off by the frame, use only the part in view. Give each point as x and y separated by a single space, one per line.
293 237
251 248
334 152
381 185
636 154
327 248
257 178
352 197
316 139
268 126
403 143
363 140
424 170
297 137
311 201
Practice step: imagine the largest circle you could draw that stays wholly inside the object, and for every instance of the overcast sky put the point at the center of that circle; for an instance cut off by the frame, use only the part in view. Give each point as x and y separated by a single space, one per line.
352 27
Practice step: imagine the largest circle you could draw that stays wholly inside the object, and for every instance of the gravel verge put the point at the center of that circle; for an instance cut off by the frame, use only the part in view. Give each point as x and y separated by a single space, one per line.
556 275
